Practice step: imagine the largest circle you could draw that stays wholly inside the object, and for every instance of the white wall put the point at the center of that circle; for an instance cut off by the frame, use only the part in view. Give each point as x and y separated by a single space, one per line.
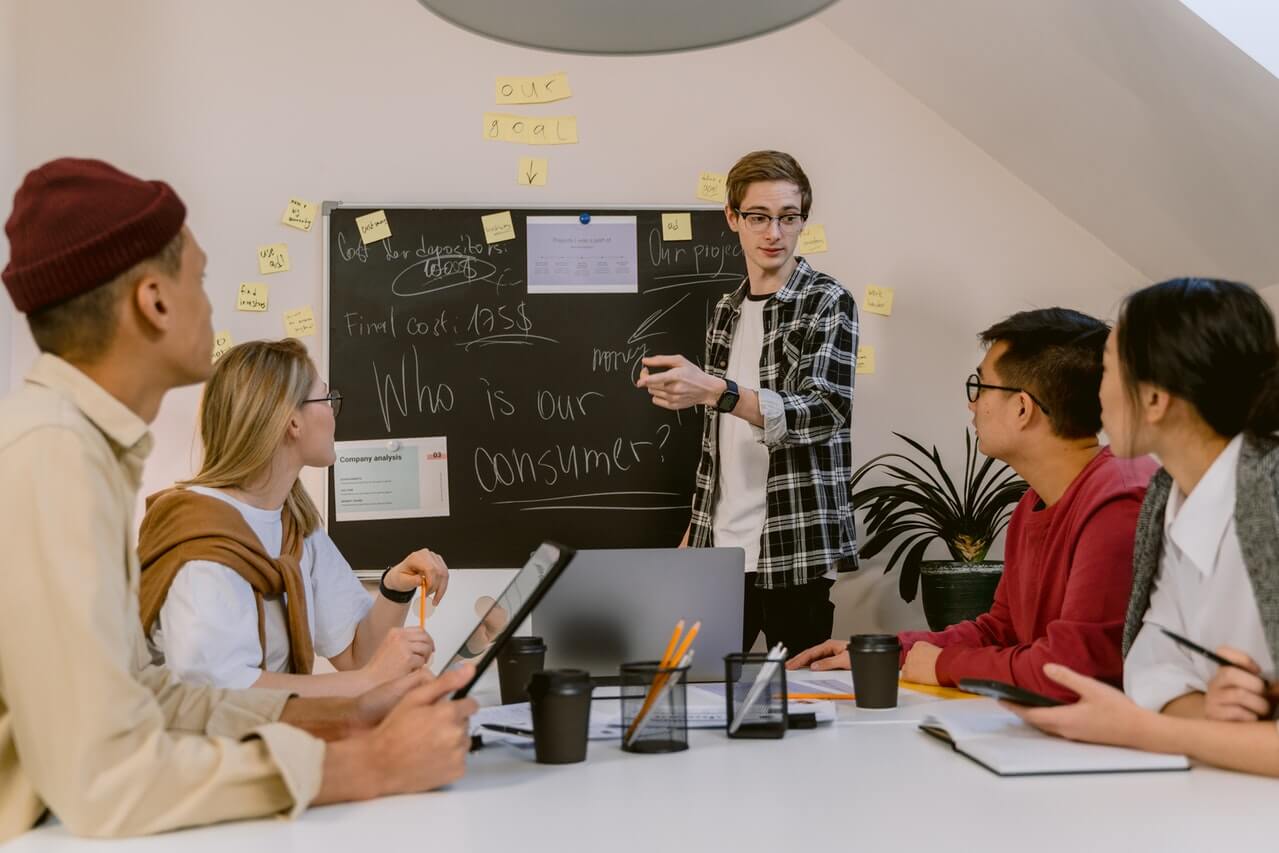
8 165
241 104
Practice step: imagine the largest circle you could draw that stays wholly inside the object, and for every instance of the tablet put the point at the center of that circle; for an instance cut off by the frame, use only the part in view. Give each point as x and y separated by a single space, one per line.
509 610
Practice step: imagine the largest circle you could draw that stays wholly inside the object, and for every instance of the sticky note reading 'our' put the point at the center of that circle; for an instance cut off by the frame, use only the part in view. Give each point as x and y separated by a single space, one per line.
712 187
865 359
498 227
533 90
879 300
554 130
299 214
373 226
273 258
221 343
812 240
677 226
252 297
532 172
300 322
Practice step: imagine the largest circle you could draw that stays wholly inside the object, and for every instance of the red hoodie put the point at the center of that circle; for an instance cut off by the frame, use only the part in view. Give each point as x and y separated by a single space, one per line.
1064 592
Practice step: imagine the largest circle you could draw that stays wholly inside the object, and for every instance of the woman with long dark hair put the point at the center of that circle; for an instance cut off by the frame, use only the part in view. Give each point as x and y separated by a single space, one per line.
1192 376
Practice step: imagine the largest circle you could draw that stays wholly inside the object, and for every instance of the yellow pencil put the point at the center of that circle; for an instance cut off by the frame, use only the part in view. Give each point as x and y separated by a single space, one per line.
820 696
670 647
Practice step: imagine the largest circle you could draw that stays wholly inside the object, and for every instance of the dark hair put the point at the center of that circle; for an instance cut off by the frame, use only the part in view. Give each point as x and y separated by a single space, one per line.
767 166
1209 342
83 327
1055 354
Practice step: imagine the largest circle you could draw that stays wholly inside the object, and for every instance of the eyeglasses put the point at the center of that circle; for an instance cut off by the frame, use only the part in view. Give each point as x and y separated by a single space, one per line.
975 387
333 398
759 222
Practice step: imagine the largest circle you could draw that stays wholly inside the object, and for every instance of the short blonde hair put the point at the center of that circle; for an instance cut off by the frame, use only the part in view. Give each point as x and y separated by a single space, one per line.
767 166
254 390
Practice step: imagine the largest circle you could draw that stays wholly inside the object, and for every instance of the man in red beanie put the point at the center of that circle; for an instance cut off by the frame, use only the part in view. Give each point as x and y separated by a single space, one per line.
112 286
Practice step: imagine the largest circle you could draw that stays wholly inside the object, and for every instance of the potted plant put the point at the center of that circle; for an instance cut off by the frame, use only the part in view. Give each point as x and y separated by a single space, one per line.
921 505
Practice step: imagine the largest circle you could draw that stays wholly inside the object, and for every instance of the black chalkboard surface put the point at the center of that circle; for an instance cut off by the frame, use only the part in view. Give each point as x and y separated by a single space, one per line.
432 332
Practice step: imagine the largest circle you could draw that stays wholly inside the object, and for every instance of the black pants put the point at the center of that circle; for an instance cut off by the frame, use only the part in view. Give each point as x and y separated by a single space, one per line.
798 617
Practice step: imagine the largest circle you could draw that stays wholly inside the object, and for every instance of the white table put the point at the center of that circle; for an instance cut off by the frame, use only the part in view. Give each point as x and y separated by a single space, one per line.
844 787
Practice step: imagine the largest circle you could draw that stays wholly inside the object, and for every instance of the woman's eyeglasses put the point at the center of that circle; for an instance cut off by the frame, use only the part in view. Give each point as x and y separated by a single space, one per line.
333 398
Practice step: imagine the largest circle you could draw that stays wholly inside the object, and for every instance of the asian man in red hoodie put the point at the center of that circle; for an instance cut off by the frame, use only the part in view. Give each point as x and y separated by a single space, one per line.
1068 554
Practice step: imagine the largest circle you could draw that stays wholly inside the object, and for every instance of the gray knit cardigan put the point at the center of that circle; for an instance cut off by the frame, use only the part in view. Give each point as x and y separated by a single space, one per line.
1256 522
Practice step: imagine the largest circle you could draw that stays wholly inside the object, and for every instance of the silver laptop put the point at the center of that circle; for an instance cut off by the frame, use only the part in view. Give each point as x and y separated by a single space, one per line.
614 606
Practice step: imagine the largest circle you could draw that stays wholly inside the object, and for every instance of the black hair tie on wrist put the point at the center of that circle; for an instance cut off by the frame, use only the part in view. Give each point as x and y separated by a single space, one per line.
394 594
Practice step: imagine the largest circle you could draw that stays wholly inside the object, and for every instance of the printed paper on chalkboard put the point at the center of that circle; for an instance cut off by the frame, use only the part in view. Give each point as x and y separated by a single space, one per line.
567 256
402 478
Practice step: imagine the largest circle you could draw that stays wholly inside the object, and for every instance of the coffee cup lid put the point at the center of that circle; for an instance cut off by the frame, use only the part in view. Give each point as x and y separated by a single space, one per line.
874 643
525 644
559 681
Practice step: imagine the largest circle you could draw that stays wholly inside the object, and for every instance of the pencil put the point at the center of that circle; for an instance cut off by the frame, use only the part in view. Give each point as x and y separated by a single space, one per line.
670 647
820 696
421 605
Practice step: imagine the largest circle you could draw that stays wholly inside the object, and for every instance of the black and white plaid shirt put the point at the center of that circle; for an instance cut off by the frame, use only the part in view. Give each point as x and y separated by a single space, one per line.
806 368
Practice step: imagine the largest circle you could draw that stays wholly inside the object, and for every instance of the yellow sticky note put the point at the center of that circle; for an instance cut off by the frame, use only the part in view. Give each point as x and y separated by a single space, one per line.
812 239
299 214
865 359
300 322
373 226
532 172
712 186
879 300
273 258
221 343
677 226
533 90
252 297
498 227
557 130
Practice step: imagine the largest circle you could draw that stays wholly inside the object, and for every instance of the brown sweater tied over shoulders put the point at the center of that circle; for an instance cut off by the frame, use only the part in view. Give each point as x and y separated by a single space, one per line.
181 526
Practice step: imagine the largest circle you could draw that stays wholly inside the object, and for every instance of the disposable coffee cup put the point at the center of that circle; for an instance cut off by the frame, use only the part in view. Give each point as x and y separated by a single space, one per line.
561 703
516 663
874 658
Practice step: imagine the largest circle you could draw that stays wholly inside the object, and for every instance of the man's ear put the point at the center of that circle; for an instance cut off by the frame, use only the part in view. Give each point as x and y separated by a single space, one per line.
731 216
151 304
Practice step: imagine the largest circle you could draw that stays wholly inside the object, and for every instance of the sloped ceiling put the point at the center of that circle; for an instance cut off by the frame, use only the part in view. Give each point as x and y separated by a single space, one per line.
1134 117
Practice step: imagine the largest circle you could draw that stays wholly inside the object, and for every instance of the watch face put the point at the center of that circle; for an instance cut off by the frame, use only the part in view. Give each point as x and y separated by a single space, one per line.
727 401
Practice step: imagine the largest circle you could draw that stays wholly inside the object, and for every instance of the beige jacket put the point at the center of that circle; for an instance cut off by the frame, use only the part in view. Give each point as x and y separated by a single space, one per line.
89 728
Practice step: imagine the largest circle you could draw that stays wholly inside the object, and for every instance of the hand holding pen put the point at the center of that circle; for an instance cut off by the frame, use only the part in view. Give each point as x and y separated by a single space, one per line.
1237 692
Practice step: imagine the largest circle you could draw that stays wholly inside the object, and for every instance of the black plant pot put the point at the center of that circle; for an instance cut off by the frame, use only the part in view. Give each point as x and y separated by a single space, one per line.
956 591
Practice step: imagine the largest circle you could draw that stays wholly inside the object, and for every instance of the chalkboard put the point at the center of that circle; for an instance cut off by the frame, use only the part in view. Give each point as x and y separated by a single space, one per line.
433 332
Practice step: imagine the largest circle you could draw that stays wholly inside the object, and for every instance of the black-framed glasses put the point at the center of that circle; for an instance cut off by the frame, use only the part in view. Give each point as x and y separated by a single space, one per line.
333 398
759 222
974 386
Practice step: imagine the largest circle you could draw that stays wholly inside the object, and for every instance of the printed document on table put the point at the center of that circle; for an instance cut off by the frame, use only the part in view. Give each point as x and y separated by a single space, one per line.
566 255
400 478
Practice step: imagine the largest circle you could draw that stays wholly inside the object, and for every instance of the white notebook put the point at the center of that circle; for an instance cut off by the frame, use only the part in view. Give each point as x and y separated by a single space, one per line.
999 741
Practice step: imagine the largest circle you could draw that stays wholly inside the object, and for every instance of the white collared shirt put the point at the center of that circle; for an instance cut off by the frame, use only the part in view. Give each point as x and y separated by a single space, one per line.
1202 592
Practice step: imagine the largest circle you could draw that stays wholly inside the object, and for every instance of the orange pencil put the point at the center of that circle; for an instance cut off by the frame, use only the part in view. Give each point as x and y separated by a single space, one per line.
421 605
820 696
670 647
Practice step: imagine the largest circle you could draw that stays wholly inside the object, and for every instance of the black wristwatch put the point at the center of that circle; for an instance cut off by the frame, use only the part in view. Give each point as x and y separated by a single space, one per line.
394 594
728 400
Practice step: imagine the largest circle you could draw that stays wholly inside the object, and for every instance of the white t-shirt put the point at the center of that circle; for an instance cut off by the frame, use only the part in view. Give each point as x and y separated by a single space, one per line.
741 498
1202 592
207 630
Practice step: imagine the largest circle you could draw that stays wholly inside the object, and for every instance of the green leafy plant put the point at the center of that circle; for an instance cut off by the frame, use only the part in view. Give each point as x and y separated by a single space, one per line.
921 504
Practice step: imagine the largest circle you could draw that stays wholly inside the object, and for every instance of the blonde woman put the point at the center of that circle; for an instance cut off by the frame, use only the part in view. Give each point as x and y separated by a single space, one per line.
241 587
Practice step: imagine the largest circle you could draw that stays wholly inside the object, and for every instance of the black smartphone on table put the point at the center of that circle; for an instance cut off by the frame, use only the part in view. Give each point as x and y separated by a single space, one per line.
1008 692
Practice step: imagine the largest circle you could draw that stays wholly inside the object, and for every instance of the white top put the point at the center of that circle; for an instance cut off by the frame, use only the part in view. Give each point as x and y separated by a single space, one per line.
741 496
1202 592
208 626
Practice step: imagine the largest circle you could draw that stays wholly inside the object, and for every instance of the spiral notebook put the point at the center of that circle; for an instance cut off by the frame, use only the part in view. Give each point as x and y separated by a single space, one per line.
999 741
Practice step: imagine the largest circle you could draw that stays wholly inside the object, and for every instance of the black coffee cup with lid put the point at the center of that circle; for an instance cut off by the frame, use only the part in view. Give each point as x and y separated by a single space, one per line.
874 658
561 703
519 659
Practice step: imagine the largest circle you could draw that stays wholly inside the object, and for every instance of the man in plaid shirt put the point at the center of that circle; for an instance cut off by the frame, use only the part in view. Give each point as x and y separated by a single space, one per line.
780 357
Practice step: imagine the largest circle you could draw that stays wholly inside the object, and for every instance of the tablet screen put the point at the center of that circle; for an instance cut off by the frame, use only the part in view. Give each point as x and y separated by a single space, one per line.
511 608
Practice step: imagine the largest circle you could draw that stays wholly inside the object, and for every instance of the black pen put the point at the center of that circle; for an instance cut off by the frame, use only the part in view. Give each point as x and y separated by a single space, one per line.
1195 647
506 730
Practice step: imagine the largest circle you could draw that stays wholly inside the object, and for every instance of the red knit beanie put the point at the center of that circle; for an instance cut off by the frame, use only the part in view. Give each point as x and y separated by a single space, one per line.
77 224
